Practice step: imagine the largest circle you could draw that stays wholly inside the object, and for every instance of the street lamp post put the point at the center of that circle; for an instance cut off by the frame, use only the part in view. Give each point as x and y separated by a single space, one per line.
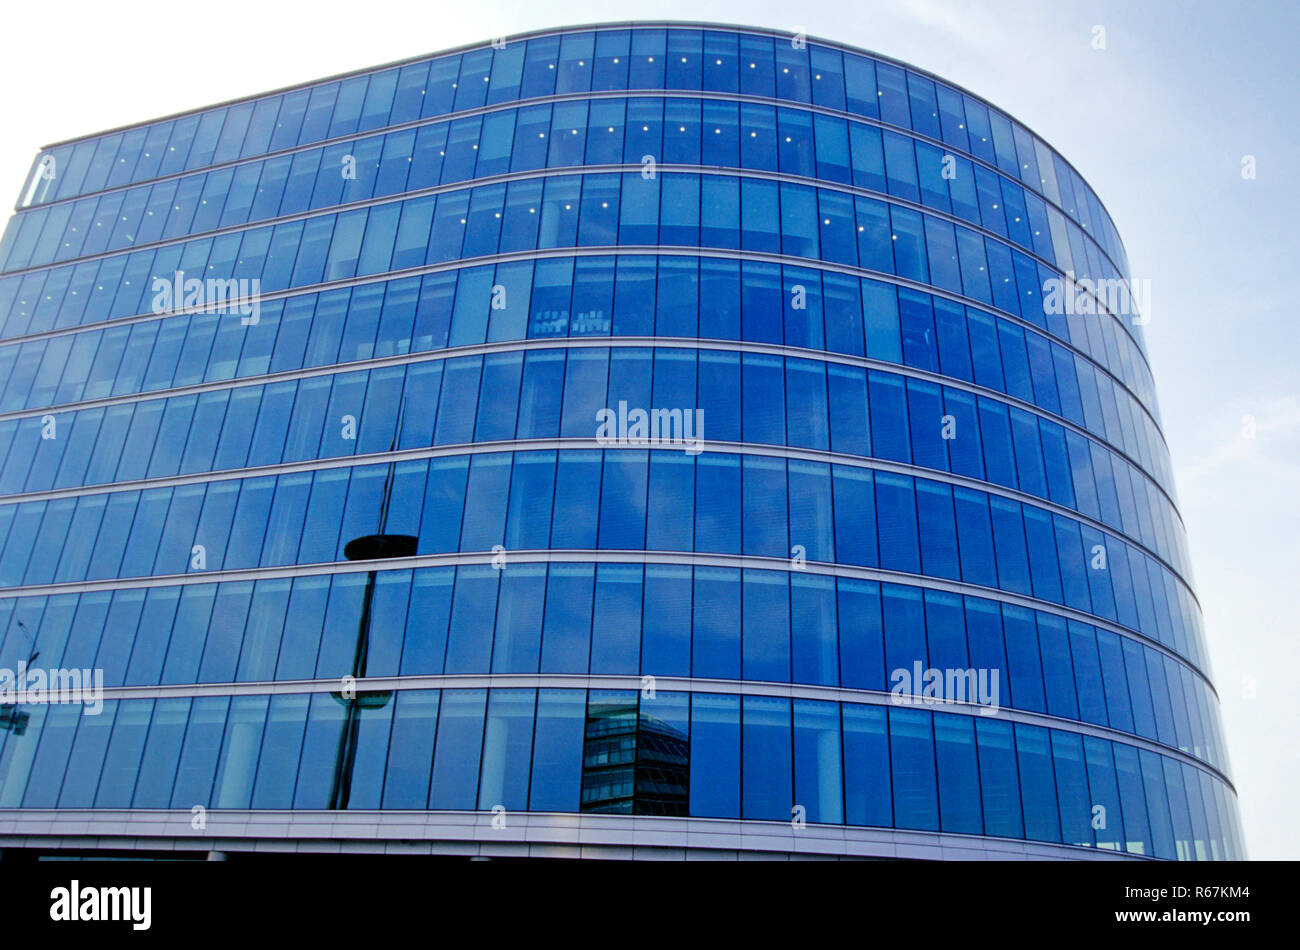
371 547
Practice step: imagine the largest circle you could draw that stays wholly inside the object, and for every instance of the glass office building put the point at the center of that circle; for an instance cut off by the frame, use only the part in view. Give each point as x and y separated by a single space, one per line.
619 441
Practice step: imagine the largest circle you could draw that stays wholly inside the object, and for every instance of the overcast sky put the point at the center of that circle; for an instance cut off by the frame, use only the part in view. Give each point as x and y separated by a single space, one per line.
1158 123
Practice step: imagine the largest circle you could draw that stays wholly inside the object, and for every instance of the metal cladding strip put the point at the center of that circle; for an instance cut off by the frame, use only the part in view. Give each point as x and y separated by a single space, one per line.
580 342
564 97
525 445
535 833
633 682
609 26
583 170
551 171
568 556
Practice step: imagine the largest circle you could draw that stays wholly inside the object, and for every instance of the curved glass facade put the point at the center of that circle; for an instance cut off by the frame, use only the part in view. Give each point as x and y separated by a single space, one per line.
655 422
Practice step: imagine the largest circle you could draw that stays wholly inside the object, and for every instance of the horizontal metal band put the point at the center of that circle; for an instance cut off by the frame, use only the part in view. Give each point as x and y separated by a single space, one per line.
739 561
584 170
525 445
524 833
598 27
598 94
685 684
587 342
610 251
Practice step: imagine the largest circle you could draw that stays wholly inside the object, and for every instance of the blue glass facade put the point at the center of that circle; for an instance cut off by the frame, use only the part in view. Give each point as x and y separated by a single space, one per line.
903 460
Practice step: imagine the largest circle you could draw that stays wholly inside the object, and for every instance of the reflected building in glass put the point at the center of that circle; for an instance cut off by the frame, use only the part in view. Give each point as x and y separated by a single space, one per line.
625 441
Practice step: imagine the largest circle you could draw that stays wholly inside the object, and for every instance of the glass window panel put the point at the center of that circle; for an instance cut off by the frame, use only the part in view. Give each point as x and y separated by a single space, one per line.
415 722
862 657
913 769
766 757
958 774
715 756
566 629
469 640
999 779
161 753
765 614
1037 784
429 612
507 742
198 758
458 749
555 783
517 643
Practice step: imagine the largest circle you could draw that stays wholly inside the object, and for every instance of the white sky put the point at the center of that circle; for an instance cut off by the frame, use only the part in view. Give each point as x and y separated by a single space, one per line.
1157 123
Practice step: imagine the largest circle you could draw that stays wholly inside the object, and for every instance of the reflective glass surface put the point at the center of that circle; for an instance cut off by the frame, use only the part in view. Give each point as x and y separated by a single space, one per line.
658 421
